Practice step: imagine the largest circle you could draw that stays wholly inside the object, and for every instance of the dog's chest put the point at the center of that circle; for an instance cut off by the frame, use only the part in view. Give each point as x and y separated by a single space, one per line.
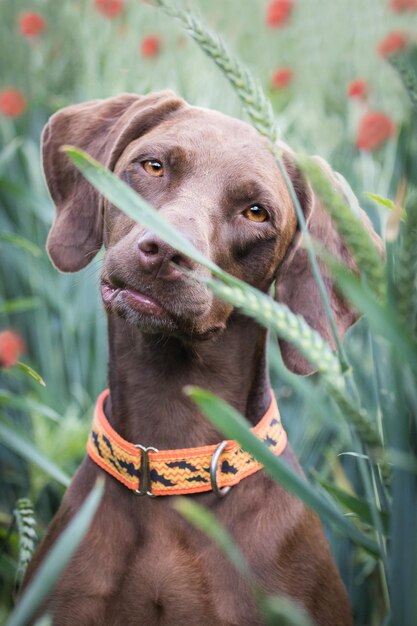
143 564
171 580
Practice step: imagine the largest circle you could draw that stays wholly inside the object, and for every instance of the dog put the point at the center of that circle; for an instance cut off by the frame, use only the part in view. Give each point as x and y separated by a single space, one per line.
214 179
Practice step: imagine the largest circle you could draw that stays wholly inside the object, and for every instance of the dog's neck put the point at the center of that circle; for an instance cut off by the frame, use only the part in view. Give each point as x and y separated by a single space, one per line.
148 373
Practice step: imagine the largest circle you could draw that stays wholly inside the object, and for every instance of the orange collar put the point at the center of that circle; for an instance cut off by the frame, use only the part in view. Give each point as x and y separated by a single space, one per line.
148 471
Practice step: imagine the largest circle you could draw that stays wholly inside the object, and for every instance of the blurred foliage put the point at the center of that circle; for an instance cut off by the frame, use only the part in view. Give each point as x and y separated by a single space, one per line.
83 55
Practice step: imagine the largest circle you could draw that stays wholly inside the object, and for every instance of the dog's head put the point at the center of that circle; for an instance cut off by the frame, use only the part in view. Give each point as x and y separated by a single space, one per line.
213 178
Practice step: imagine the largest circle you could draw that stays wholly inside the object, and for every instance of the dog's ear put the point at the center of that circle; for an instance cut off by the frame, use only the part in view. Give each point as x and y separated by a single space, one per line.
103 128
295 283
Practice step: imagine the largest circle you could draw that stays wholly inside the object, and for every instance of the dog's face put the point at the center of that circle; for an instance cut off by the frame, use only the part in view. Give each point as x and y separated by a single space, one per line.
211 177
214 179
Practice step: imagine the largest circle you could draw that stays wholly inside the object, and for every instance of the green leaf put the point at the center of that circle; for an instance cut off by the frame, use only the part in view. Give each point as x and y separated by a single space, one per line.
260 112
19 305
9 152
385 202
205 521
382 319
31 372
21 242
27 450
126 199
278 317
45 620
360 507
27 404
57 560
403 460
358 417
273 608
282 611
234 426
354 234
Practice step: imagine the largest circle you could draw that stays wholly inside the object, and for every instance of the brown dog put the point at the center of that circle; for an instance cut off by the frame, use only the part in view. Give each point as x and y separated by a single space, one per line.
214 179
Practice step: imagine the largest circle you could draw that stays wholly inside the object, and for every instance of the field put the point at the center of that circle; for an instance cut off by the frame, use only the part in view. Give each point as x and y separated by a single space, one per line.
340 78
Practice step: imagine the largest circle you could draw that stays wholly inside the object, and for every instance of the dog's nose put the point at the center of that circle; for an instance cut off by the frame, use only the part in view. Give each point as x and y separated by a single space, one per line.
160 259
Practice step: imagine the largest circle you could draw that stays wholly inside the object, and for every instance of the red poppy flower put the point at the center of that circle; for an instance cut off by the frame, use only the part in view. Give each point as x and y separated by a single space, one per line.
393 42
150 46
403 5
374 130
12 102
282 78
278 12
11 347
398 5
31 24
357 89
109 8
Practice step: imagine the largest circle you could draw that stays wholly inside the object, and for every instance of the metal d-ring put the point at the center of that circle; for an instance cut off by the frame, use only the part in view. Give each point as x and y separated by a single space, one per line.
145 481
220 493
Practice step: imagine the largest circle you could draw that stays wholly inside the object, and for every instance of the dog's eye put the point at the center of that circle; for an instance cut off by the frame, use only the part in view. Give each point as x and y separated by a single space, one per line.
256 213
153 167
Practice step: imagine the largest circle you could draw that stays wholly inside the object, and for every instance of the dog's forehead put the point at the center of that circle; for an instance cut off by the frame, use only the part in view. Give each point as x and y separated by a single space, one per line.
217 124
197 127
205 135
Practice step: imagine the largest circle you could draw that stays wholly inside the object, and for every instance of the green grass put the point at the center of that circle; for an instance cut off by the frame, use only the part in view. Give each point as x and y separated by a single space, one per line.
82 56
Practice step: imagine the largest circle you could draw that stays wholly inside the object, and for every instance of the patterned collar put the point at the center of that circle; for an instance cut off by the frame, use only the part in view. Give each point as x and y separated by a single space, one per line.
147 471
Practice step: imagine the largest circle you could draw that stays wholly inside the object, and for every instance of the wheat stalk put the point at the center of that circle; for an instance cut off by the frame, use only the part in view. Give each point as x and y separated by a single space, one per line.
277 317
294 328
366 431
256 105
260 113
407 74
284 322
26 527
353 233
406 269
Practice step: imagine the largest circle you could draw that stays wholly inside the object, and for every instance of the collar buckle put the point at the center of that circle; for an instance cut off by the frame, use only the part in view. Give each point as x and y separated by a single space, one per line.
220 492
145 474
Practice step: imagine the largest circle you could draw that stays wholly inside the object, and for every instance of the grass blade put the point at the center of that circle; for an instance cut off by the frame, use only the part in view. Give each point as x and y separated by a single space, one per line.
278 317
21 242
31 372
356 505
275 609
126 199
282 611
353 233
57 559
259 111
27 404
234 426
287 325
382 319
27 450
204 520
19 305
